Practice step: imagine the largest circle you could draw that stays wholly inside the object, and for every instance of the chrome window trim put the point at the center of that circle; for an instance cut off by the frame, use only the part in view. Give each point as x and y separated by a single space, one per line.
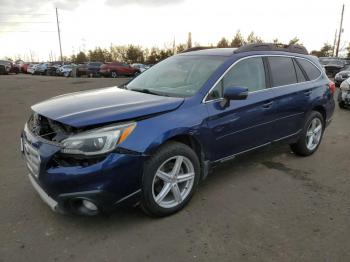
262 90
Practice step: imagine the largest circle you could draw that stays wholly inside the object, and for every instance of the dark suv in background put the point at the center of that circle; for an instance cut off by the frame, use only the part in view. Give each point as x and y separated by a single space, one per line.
7 67
90 68
154 139
332 65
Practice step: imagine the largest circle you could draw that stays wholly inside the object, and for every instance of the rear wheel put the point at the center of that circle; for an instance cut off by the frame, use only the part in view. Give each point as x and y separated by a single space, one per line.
311 135
170 179
342 104
114 74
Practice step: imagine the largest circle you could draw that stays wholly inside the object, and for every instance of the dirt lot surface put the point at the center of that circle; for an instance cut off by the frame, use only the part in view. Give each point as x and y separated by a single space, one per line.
265 206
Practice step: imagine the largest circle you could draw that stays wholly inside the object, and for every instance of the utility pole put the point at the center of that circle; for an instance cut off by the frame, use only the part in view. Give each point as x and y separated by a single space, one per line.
59 35
174 47
335 42
31 56
340 31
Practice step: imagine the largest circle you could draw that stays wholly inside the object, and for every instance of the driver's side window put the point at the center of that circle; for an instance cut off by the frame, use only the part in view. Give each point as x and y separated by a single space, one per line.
249 73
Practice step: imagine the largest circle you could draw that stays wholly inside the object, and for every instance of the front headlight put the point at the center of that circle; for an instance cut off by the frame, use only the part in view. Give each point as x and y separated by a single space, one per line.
97 141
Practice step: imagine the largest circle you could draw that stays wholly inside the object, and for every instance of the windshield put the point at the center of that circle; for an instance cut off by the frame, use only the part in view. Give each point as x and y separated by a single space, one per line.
177 76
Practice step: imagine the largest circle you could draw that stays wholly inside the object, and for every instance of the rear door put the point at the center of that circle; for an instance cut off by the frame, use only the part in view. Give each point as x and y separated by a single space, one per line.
291 96
244 124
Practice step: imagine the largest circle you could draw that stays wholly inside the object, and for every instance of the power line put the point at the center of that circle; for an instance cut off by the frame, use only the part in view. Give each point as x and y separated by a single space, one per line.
17 14
23 31
28 22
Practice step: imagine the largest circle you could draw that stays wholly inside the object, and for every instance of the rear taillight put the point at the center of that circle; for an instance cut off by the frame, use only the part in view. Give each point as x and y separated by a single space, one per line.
331 86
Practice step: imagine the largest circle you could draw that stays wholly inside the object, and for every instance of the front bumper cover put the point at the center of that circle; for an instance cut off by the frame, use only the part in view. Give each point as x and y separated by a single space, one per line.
45 197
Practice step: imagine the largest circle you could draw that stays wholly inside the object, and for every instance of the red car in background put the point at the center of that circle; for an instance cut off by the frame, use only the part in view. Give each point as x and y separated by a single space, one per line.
115 69
24 68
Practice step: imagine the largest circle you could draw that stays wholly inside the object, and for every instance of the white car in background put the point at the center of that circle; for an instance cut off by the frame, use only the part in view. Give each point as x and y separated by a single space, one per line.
141 67
31 68
65 70
344 94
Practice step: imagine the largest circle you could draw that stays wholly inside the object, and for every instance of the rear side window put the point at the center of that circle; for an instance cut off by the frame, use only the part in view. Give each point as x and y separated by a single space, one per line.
282 71
311 70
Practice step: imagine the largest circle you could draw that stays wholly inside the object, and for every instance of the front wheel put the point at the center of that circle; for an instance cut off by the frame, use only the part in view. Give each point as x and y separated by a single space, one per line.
170 179
311 135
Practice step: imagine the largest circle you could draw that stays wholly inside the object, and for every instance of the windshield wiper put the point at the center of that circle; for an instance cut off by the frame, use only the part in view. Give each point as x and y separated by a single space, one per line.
148 91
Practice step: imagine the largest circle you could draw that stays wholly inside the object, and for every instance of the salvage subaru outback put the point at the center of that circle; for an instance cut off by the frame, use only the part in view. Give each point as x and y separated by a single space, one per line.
152 140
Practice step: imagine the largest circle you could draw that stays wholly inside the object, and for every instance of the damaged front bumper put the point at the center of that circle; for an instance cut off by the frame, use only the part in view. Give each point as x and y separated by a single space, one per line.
106 183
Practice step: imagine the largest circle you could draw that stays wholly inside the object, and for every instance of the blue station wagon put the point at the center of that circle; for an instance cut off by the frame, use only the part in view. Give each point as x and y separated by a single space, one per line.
151 141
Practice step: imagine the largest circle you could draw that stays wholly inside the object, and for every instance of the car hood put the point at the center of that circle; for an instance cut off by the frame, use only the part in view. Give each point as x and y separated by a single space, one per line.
105 105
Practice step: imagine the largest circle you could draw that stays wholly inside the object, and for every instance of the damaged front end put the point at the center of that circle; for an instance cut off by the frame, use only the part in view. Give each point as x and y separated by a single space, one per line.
48 129
78 146
71 166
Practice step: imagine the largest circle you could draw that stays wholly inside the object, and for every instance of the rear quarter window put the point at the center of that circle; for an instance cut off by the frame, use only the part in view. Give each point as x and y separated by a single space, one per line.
310 69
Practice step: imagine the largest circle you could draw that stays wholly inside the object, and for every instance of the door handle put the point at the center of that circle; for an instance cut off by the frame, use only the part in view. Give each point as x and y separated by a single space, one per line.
267 105
308 92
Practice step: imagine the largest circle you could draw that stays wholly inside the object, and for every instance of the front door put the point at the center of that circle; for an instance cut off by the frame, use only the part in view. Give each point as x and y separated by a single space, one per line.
244 124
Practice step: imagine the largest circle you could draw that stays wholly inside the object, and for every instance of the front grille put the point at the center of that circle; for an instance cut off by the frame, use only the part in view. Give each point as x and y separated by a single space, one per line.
32 157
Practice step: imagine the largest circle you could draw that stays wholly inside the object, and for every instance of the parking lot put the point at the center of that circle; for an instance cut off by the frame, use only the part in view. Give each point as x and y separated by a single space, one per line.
264 206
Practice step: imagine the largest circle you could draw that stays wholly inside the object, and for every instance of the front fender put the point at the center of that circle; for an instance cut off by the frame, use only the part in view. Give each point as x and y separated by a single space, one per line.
153 132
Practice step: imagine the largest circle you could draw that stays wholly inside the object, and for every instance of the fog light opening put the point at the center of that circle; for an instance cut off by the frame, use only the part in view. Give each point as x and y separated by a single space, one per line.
89 205
84 207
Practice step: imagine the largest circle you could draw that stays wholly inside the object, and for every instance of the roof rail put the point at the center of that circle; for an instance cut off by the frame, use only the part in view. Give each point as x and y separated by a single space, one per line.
196 48
272 47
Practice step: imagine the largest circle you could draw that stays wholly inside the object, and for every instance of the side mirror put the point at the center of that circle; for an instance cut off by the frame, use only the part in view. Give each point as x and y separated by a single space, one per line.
234 93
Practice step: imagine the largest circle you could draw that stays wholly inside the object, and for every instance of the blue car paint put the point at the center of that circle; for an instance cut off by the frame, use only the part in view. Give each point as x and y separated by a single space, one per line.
220 132
105 105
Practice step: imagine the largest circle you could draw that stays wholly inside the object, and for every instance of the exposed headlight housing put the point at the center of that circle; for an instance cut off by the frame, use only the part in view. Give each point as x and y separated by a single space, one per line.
97 141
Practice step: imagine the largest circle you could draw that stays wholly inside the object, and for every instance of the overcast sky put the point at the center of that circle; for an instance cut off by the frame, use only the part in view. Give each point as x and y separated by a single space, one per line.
30 25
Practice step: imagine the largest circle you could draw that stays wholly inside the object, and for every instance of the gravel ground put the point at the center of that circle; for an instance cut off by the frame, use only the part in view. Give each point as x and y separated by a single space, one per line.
264 206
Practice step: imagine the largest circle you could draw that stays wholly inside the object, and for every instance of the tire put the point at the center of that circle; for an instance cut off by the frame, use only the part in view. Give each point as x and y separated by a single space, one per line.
302 147
114 74
341 105
158 198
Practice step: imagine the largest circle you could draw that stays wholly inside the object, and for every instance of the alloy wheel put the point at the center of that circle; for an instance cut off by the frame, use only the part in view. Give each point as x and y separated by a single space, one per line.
314 133
173 181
